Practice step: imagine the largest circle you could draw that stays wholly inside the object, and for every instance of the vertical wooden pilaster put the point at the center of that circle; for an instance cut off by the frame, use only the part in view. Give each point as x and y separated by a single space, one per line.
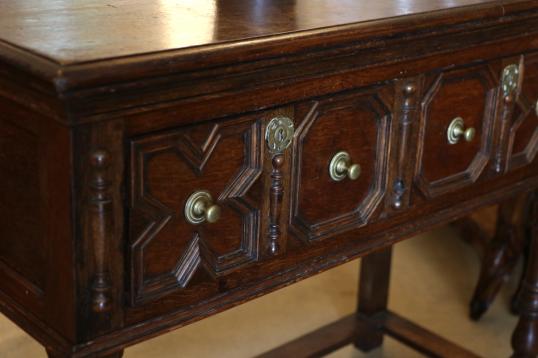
99 166
404 137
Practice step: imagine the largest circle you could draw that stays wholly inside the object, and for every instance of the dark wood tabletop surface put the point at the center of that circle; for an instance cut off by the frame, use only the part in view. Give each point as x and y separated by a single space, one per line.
68 32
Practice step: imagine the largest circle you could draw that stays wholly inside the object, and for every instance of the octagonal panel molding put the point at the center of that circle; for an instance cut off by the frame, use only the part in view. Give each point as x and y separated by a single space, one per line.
470 94
357 123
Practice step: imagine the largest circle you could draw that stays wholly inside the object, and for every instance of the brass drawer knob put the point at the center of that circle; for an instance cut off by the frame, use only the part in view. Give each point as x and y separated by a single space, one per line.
341 167
200 208
456 130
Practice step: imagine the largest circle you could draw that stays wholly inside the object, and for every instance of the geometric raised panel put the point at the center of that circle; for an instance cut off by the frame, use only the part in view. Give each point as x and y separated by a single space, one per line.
523 137
223 158
358 124
469 93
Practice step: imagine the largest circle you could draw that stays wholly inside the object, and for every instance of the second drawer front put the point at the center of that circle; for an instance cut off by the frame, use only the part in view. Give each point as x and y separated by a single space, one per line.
340 160
456 129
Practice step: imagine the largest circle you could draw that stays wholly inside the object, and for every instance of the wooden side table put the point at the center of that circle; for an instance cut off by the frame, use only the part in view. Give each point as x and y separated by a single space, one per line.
161 162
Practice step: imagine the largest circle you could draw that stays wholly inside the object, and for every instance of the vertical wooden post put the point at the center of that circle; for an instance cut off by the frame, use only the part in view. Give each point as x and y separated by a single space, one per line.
525 337
501 254
373 295
99 175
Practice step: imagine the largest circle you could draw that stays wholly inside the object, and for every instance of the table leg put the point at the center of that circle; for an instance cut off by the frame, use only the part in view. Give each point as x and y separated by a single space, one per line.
373 296
525 337
501 254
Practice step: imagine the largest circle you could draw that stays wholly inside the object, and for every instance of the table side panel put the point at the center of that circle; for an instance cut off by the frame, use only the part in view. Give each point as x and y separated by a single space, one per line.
36 247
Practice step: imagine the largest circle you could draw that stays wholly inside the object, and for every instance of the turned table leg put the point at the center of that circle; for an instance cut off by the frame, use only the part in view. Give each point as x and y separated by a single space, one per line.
525 337
501 254
373 296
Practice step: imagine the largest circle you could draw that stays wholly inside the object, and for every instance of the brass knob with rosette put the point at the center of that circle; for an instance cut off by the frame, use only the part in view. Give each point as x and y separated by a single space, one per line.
456 131
341 167
200 208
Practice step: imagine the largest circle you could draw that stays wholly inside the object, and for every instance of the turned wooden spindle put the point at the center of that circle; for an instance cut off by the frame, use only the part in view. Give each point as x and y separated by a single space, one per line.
100 204
277 191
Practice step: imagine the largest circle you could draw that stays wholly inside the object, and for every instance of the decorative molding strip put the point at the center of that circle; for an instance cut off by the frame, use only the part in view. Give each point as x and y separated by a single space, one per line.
277 191
100 206
510 83
278 135
407 116
506 122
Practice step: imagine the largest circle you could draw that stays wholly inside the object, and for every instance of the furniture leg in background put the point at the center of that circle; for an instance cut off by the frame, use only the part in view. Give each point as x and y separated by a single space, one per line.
525 337
501 253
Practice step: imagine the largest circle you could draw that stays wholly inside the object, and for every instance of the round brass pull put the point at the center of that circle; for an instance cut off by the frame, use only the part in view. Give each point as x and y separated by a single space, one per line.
456 130
341 167
200 208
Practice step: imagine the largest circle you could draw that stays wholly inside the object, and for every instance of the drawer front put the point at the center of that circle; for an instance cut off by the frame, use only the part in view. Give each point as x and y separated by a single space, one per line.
217 166
339 162
456 129
524 130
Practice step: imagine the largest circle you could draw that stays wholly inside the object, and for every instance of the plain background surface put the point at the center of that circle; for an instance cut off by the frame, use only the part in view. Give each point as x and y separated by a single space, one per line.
433 278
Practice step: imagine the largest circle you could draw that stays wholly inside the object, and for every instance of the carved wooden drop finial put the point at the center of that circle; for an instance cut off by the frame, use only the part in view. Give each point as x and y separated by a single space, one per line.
100 204
278 136
277 190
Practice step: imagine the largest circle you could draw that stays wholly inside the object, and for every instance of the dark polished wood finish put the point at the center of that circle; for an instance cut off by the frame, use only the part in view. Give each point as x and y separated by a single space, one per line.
524 340
499 253
350 328
110 120
373 296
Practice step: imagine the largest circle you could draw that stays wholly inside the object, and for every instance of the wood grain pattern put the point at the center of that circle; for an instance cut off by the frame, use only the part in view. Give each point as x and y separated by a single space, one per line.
169 25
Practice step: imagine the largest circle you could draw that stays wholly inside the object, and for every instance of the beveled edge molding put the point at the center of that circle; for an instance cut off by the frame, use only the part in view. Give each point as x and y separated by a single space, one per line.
431 189
528 107
198 254
307 232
